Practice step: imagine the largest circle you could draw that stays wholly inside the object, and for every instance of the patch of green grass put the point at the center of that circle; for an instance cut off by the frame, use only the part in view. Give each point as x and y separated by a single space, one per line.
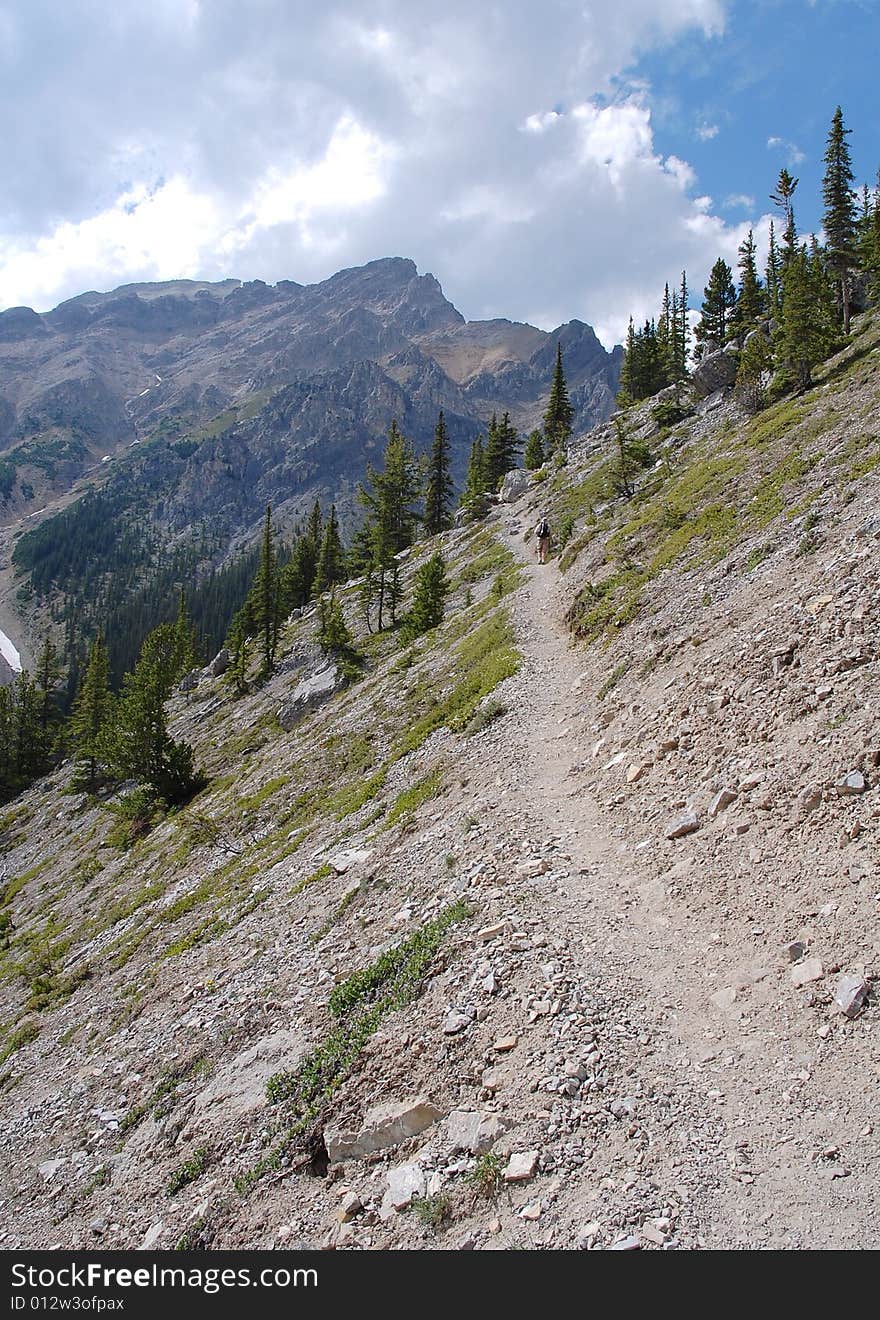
252 801
358 1005
336 916
21 1035
407 803
191 1170
774 422
320 873
164 1093
17 883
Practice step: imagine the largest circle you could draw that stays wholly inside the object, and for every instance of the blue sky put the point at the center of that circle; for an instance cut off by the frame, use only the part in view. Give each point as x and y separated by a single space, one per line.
740 106
543 161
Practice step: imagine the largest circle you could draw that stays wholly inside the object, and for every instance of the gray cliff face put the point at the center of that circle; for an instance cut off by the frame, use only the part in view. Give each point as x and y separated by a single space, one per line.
258 393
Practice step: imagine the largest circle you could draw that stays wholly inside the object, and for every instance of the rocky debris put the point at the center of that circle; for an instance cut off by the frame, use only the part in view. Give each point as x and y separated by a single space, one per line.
473 1130
853 782
308 694
850 994
190 681
685 824
504 1044
807 971
514 485
456 1021
795 950
221 662
384 1126
522 1166
152 1236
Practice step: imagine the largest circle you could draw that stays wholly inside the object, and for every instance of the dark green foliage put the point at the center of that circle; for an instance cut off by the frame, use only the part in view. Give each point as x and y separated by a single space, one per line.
429 599
331 567
141 746
24 743
534 455
839 218
390 524
750 302
807 332
90 718
719 299
755 362
263 604
501 450
560 412
438 492
334 636
475 485
773 275
630 457
783 197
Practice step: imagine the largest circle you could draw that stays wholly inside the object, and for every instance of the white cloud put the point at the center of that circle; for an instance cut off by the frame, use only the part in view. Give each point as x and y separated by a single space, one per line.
792 151
706 132
738 202
275 141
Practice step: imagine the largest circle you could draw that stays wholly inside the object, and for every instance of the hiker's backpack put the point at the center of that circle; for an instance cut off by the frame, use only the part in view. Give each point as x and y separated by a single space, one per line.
543 529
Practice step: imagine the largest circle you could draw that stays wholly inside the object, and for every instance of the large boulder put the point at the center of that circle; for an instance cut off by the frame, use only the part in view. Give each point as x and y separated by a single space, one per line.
384 1126
309 693
514 484
221 662
715 371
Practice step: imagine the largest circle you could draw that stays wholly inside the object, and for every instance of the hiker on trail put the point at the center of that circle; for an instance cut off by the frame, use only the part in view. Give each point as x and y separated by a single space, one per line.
542 532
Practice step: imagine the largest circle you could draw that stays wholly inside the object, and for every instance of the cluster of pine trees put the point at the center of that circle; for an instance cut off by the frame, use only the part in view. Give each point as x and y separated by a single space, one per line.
498 451
113 737
804 300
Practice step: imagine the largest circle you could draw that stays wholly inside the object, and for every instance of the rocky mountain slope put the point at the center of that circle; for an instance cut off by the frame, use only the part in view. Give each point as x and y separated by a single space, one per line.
558 929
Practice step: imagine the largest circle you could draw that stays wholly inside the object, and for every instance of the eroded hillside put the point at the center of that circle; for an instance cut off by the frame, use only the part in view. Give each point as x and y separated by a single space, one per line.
516 941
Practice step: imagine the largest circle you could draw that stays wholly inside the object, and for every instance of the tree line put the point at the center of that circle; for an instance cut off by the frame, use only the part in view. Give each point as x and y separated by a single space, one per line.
787 322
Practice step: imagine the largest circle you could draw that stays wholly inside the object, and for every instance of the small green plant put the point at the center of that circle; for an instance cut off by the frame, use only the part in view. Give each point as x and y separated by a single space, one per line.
136 815
432 1211
484 715
22 1035
485 1177
612 680
566 527
189 1171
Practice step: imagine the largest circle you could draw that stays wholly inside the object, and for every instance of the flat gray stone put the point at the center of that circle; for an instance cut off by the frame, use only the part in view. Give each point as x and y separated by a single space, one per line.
384 1126
850 994
685 824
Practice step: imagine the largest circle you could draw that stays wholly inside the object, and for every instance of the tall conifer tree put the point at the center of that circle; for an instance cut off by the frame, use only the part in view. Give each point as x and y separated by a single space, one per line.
560 414
840 216
438 493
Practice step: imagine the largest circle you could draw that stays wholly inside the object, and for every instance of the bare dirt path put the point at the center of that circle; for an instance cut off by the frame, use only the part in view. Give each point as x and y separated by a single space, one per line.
753 1110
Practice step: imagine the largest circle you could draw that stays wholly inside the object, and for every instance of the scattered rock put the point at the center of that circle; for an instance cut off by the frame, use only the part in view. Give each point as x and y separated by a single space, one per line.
809 970
795 950
685 824
626 1244
405 1183
521 1166
349 857
473 1131
350 1207
851 783
722 799
455 1022
850 994
515 484
152 1236
504 1044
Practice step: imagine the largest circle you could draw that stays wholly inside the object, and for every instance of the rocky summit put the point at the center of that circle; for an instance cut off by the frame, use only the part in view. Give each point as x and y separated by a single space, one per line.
552 927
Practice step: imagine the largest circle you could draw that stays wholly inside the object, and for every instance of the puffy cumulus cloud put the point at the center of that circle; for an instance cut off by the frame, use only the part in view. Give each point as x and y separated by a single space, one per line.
278 139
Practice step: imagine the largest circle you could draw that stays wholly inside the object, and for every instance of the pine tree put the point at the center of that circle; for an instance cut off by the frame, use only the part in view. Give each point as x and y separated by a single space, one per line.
773 276
870 245
240 646
718 302
48 678
839 218
438 494
263 602
90 718
681 331
331 559
627 389
475 484
141 746
560 414
186 640
750 300
534 455
630 456
391 517
804 337
783 197
429 596
755 364
665 338
334 636
298 576
501 451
